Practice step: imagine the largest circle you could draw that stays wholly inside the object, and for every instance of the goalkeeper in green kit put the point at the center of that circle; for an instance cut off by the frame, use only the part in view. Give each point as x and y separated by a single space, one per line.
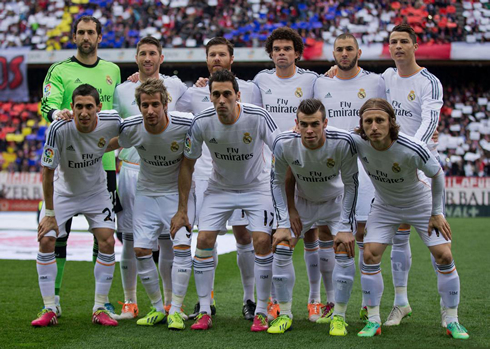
60 82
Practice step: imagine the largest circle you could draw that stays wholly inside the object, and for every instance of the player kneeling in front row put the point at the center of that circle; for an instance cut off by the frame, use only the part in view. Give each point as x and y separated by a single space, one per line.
76 148
158 137
323 162
393 162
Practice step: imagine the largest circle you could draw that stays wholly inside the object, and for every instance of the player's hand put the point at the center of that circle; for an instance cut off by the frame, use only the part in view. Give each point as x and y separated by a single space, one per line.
440 226
283 234
295 221
435 136
332 72
345 238
47 224
201 82
178 221
134 77
64 114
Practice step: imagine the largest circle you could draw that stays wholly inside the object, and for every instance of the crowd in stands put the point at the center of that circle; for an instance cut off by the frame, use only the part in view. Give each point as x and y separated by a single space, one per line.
464 140
46 24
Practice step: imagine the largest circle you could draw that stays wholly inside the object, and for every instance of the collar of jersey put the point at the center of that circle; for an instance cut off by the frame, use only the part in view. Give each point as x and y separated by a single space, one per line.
288 77
409 76
352 77
74 59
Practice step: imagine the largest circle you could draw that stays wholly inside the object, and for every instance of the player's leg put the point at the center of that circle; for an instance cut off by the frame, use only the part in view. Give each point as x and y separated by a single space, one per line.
165 261
60 254
327 265
312 261
360 255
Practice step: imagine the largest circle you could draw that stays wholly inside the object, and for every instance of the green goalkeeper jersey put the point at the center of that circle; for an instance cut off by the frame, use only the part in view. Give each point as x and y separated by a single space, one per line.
65 76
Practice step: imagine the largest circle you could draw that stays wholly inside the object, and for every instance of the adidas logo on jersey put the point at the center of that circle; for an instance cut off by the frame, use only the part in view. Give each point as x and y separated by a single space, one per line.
78 81
141 148
328 95
214 141
205 99
70 148
387 91
296 162
365 160
268 92
134 102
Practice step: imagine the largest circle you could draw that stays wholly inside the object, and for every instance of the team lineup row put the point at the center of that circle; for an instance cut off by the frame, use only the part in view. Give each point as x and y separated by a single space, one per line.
227 139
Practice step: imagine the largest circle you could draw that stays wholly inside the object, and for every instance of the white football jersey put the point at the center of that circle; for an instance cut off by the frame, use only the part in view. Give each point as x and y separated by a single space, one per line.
343 98
125 104
394 172
196 99
161 154
236 149
282 96
417 100
321 174
80 171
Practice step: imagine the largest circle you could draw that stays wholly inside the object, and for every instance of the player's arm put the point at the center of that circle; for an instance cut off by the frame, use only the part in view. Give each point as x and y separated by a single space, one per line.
256 95
181 219
294 217
113 145
184 104
431 108
53 97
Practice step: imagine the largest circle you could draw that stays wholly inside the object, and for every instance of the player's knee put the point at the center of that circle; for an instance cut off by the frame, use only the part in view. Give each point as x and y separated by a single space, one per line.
142 252
371 256
47 244
106 243
443 256
311 235
262 243
242 235
341 248
206 240
325 234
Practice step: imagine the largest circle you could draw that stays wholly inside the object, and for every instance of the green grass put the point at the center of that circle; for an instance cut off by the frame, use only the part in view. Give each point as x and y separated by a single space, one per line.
21 301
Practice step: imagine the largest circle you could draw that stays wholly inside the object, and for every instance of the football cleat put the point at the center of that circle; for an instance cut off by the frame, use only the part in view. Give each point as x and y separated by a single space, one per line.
273 310
167 310
397 314
152 318
248 310
260 323
175 322
58 306
203 322
327 312
213 307
280 325
370 330
314 311
197 307
129 311
110 309
45 318
456 330
338 326
363 314
102 317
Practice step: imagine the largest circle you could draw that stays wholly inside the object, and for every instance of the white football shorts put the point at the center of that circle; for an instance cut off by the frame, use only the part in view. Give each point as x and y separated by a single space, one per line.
317 214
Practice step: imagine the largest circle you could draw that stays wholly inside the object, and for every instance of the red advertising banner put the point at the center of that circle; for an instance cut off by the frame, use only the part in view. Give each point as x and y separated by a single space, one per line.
426 51
13 74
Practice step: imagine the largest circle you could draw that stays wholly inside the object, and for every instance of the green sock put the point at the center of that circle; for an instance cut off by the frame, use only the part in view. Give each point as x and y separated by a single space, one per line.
60 253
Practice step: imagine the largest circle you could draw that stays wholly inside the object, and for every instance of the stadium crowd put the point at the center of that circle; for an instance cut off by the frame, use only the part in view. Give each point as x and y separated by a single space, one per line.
45 25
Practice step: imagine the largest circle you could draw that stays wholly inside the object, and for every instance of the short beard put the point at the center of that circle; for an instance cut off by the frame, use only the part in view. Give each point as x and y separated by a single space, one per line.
349 67
87 51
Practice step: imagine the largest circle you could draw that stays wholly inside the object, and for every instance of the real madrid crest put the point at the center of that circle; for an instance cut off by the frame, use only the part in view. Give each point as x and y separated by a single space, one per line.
247 139
174 146
411 96
362 93
108 80
101 143
299 92
396 168
330 162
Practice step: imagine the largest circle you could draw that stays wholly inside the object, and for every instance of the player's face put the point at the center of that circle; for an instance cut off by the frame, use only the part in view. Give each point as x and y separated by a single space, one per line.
376 125
148 59
85 112
218 58
86 37
402 48
225 100
283 54
312 129
153 110
346 54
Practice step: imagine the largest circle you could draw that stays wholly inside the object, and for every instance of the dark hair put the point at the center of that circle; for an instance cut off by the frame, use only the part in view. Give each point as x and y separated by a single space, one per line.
224 75
86 90
98 26
151 87
219 40
381 105
405 28
149 40
345 36
285 33
310 106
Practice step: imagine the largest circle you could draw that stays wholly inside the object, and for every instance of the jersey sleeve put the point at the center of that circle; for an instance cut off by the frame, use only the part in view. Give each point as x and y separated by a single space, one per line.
125 134
431 107
381 87
426 161
116 104
349 173
53 91
51 151
256 95
278 188
193 142
268 128
184 104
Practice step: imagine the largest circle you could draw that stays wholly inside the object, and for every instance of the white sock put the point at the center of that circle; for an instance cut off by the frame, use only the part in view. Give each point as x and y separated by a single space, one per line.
343 277
284 276
401 261
449 289
245 260
373 314
312 261
204 267
129 274
165 260
360 244
148 273
263 281
327 264
181 274
103 272
372 284
215 259
47 270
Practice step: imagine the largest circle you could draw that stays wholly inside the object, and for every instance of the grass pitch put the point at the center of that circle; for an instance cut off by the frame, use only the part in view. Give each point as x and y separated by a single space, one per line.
21 301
